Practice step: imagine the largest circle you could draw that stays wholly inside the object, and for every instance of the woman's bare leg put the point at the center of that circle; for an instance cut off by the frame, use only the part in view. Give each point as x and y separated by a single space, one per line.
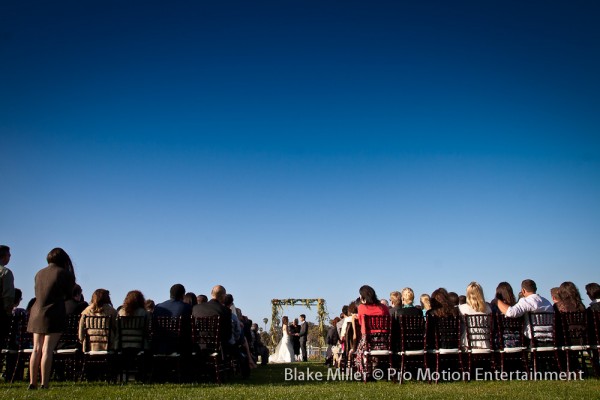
47 352
36 357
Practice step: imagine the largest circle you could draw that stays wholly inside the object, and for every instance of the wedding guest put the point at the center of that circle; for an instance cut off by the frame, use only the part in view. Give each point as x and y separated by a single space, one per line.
7 292
554 295
569 298
134 305
504 292
215 307
30 305
441 305
332 341
75 304
53 285
16 311
396 299
425 301
453 296
593 292
340 323
462 299
385 303
475 305
100 306
370 306
529 302
201 298
174 307
190 298
149 305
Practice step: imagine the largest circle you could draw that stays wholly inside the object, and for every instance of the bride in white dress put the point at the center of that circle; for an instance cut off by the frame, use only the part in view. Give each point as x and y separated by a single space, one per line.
284 352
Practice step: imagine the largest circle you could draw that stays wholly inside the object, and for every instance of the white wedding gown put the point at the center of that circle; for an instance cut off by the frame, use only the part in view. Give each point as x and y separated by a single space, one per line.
284 352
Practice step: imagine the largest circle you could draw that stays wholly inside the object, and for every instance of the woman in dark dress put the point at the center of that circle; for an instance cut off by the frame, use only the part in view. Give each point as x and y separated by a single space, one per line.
53 285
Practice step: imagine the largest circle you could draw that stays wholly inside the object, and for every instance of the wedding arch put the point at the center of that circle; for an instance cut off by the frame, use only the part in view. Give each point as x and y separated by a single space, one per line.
277 307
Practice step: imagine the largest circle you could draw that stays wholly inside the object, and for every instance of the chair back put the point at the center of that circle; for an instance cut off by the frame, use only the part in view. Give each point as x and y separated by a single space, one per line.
205 334
574 328
510 332
166 335
97 332
70 336
443 332
412 332
479 331
594 327
132 332
542 329
378 332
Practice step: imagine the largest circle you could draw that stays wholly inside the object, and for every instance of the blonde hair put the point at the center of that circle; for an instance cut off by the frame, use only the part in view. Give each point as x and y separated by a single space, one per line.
425 301
475 297
408 296
395 298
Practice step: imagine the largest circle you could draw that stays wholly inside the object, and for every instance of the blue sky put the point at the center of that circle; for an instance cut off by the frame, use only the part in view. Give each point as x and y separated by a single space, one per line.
301 149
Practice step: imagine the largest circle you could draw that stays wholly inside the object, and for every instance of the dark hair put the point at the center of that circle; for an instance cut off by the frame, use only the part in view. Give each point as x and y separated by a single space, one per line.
4 250
18 295
190 298
228 300
570 299
201 298
462 299
133 300
368 295
285 320
149 305
100 297
453 296
59 257
302 316
593 290
529 286
177 291
441 305
505 293
30 305
345 310
352 308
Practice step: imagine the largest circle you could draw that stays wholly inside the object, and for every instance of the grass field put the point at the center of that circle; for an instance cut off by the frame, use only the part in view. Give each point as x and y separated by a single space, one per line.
269 382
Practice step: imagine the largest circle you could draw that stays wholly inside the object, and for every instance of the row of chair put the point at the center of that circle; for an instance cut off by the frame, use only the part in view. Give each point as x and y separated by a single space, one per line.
560 340
163 347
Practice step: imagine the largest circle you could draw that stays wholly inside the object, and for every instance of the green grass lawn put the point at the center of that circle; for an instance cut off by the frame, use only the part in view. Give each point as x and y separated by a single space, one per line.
269 382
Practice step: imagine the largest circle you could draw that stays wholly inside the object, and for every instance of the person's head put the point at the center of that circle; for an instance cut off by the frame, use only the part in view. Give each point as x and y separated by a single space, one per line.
18 297
425 301
254 327
100 297
345 310
504 292
441 304
228 300
368 295
384 302
285 320
528 287
59 257
408 296
334 321
554 294
462 299
4 255
218 293
396 298
593 290
149 305
352 308
190 298
177 292
133 300
201 298
77 291
30 305
453 296
568 292
475 297
302 317
295 321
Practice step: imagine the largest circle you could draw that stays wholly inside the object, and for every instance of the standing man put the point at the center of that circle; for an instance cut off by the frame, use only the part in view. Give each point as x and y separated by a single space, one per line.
303 336
7 292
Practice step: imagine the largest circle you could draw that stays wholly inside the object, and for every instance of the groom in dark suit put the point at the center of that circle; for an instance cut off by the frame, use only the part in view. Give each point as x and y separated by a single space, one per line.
303 334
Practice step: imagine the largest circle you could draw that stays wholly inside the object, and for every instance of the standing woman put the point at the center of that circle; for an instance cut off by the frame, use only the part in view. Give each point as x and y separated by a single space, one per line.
53 285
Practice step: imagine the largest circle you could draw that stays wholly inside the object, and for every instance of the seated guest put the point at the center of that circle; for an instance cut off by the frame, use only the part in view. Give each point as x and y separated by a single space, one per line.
215 307
554 295
569 298
174 307
258 348
462 299
441 305
408 308
201 298
343 315
453 296
425 301
75 305
101 306
190 298
593 292
134 306
529 302
16 311
370 306
396 299
504 292
475 305
149 305
332 340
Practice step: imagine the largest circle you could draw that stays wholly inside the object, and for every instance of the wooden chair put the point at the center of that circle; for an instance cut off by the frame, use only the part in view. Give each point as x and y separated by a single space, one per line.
594 334
573 338
378 343
166 335
133 340
411 344
542 333
444 341
17 348
98 354
510 340
208 353
68 356
479 339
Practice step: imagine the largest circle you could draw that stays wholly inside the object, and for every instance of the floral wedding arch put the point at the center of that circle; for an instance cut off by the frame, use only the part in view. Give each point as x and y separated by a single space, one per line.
277 307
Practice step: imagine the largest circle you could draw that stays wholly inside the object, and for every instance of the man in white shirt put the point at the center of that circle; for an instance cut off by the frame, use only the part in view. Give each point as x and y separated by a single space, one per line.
530 302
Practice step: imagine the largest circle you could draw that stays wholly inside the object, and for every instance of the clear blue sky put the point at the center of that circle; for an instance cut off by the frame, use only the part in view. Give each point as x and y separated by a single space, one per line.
301 148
